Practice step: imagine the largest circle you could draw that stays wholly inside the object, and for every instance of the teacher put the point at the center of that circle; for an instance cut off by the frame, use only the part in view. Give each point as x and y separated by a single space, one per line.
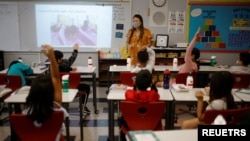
138 38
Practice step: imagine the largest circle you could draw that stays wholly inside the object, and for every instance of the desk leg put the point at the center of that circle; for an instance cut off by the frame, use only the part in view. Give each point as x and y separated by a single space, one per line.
94 93
111 120
81 117
66 106
169 118
108 83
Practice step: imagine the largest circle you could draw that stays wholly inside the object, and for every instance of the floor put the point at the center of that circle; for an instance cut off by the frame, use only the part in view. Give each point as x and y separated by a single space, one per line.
95 125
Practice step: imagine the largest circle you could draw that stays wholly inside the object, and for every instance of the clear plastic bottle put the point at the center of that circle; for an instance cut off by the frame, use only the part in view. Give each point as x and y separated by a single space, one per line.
166 79
90 62
213 61
128 63
175 63
190 81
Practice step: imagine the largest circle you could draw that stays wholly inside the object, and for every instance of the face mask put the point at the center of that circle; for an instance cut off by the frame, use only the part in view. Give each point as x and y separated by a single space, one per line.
136 24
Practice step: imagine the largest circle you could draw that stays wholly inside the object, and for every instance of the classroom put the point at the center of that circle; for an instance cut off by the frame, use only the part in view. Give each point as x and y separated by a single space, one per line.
94 34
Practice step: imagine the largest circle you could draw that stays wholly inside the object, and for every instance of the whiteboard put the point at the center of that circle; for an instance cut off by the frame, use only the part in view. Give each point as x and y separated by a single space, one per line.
21 20
9 26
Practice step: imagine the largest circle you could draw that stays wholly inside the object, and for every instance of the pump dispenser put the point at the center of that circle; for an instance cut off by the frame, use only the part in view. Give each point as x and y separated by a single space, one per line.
190 81
90 62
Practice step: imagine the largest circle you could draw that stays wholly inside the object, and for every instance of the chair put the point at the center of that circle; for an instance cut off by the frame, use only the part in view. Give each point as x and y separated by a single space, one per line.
232 116
180 78
13 82
26 131
142 116
241 80
127 78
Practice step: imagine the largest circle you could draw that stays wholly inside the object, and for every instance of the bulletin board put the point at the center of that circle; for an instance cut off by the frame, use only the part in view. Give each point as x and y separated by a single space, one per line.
224 27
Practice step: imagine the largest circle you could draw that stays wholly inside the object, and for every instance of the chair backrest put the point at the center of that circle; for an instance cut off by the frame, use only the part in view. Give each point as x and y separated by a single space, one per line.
74 78
127 78
13 82
143 116
241 80
232 116
26 131
180 78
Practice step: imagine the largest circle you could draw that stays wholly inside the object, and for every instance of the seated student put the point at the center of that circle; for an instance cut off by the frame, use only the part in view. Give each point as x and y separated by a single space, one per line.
146 60
191 57
221 98
65 66
17 67
242 64
140 93
45 95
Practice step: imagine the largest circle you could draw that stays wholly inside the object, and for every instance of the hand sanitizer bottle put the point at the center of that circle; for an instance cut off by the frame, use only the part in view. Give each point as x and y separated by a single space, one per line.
175 63
190 81
128 63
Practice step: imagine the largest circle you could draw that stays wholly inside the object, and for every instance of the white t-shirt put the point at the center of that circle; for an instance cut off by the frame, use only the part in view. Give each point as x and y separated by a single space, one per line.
217 104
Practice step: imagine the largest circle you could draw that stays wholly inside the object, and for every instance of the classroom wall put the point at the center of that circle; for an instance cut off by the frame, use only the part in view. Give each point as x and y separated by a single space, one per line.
137 6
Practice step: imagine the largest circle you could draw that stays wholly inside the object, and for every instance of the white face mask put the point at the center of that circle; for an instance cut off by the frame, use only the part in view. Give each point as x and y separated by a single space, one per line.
136 24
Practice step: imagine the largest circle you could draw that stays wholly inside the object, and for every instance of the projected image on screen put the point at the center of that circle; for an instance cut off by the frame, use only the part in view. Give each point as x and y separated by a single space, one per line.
65 25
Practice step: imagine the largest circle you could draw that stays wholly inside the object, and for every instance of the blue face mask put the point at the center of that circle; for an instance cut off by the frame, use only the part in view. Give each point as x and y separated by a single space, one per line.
136 24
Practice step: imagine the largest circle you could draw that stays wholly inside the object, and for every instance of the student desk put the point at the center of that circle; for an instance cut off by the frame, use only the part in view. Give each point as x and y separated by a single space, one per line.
245 97
177 135
37 70
117 94
19 97
85 70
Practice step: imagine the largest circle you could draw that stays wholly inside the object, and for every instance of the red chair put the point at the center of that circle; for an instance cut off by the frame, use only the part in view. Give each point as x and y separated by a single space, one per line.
241 80
127 78
142 116
26 131
232 116
180 78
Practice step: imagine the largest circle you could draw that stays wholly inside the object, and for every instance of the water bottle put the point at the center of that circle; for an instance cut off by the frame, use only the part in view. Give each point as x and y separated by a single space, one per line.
213 61
175 63
166 79
65 83
190 81
128 63
90 62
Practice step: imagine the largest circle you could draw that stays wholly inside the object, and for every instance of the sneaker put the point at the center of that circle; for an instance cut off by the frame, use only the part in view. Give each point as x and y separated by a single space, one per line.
86 110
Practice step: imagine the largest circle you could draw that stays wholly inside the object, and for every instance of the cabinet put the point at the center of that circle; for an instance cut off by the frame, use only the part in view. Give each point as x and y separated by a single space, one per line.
164 56
104 64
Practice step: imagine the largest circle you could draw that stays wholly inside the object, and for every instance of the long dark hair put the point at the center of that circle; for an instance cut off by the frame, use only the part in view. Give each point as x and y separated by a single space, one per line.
40 98
141 28
221 85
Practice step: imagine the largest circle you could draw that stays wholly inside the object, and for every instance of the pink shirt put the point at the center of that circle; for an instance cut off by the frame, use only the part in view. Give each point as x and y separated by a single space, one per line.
189 65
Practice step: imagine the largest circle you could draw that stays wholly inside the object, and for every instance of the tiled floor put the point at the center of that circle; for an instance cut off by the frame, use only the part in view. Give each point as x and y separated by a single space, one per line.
95 125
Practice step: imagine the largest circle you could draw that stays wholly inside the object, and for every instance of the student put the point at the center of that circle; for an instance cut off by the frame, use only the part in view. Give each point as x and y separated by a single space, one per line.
17 67
146 60
140 93
191 57
242 64
65 65
221 98
45 95
138 37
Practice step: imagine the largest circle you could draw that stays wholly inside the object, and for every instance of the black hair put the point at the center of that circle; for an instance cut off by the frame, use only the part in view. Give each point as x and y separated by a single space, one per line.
40 98
196 53
143 56
141 28
58 54
245 58
221 86
144 80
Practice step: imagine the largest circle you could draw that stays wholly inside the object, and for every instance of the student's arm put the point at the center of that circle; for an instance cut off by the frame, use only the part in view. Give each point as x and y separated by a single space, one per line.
54 71
151 60
190 47
73 56
199 96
